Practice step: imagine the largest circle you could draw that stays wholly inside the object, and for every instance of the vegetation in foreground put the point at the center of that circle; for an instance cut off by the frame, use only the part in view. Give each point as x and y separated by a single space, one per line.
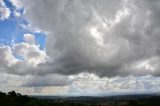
15 99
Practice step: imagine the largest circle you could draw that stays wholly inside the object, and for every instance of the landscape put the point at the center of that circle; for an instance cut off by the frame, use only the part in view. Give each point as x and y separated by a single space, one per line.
16 99
79 52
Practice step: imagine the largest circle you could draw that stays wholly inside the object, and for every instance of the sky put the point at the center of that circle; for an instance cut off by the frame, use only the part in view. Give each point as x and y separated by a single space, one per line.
80 47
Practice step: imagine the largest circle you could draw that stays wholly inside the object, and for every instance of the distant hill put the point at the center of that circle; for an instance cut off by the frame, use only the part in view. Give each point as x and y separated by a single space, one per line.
16 99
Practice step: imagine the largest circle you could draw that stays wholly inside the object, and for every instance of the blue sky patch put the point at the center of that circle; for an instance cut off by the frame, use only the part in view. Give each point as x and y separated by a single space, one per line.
11 31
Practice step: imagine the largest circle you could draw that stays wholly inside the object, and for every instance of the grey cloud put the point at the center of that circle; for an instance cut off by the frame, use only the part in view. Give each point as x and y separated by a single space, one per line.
49 80
105 37
9 80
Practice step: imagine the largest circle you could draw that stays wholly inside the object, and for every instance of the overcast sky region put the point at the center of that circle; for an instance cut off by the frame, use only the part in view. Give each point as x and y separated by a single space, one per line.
80 47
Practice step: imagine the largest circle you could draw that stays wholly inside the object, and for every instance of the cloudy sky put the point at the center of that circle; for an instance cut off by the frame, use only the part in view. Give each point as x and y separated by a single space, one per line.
80 47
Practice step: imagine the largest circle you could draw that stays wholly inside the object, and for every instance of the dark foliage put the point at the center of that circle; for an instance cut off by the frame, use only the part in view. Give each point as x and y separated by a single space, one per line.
16 99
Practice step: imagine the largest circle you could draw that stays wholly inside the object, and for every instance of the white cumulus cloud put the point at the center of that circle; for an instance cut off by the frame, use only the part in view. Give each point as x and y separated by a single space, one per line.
4 11
29 38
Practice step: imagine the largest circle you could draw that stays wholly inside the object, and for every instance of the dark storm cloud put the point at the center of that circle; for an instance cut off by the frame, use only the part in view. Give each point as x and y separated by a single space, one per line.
106 37
50 80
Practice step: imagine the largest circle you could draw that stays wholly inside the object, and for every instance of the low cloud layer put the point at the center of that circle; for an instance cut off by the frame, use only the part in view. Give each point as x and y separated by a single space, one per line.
84 84
80 84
